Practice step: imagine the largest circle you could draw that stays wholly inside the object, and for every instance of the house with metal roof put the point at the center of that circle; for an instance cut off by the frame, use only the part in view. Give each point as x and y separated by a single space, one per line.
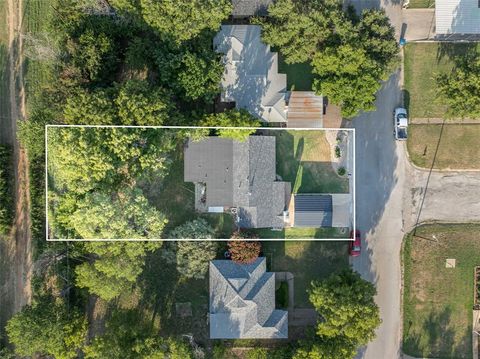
457 17
322 210
239 177
242 302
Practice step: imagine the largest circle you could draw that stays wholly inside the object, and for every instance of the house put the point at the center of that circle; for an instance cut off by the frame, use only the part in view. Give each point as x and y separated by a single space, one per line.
251 81
239 177
251 77
242 302
249 8
457 17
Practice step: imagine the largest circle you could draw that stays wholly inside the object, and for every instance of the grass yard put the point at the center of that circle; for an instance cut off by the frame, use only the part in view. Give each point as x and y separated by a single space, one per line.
303 233
303 159
307 260
299 76
458 147
423 61
4 94
415 4
437 300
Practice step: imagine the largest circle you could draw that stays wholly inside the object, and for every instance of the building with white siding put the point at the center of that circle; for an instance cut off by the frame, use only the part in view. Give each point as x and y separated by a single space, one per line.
457 17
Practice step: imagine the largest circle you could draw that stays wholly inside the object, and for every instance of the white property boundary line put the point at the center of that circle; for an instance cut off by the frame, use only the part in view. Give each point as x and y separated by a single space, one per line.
197 127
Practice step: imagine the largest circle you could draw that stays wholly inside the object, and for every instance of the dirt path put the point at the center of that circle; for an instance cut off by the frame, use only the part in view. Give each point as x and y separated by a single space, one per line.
16 251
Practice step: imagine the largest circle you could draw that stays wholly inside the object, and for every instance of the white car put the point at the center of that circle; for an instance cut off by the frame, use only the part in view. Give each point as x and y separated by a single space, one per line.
400 120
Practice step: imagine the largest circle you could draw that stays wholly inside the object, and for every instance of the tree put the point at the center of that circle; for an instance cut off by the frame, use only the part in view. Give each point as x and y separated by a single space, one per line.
185 19
232 118
192 257
127 335
47 328
244 252
348 77
325 349
459 89
300 28
122 215
91 107
113 267
347 308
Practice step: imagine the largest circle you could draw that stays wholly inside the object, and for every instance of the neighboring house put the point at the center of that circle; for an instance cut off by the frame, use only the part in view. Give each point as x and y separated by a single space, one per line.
240 177
251 77
251 81
460 17
249 8
242 302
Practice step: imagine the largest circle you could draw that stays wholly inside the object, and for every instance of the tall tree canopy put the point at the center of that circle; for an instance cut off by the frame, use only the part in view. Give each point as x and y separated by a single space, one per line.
47 328
113 268
460 88
232 118
185 19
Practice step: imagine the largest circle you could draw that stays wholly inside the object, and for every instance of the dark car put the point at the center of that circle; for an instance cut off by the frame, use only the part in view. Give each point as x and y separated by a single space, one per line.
355 246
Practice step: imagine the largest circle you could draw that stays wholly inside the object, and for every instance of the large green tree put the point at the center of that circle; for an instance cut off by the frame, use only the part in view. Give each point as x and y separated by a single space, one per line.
128 335
47 328
113 267
232 118
345 303
185 19
460 88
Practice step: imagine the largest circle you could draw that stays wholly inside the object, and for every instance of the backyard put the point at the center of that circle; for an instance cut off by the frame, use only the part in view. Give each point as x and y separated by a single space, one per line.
438 300
299 76
303 159
307 261
423 61
458 147
414 4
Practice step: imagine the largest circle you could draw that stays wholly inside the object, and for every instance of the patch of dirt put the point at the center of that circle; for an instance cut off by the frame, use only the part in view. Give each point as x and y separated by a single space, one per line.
16 249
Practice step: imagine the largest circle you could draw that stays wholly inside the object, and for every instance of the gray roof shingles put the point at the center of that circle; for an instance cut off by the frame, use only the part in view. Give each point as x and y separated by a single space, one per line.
242 302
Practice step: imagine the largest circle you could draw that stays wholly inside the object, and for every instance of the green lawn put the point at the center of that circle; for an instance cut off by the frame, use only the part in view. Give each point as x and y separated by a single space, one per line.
458 147
299 76
4 94
438 301
307 261
424 61
414 4
303 233
303 159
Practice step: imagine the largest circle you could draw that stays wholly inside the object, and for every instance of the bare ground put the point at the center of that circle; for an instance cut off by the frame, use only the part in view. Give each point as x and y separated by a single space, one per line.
16 249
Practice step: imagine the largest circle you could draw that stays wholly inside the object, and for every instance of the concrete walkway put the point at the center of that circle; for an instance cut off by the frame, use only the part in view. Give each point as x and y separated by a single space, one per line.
418 24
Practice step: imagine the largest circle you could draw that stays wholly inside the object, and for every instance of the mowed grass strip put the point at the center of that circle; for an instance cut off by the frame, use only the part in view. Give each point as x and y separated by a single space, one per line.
307 261
437 300
423 62
458 148
418 4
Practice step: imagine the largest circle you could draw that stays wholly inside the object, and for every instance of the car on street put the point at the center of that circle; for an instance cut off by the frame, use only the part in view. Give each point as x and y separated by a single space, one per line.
355 246
400 119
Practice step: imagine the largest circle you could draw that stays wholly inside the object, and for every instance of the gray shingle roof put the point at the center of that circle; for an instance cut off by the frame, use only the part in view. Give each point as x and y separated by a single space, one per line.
239 174
313 210
242 302
244 8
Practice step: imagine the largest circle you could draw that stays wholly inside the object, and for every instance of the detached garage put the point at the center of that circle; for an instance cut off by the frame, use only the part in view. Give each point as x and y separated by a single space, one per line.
322 210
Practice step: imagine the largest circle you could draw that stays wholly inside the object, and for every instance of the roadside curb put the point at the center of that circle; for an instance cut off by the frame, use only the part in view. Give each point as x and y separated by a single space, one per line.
439 121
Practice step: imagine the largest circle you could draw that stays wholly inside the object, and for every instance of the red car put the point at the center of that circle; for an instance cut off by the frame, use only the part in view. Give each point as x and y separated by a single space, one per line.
355 246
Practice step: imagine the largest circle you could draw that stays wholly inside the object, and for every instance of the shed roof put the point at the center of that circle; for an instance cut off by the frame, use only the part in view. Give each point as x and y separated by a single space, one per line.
313 210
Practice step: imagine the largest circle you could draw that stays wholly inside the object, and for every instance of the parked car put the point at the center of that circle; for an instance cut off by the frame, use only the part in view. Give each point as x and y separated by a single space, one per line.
400 120
355 246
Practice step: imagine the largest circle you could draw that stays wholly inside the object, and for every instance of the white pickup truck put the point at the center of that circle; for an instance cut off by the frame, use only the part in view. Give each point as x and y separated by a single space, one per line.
400 122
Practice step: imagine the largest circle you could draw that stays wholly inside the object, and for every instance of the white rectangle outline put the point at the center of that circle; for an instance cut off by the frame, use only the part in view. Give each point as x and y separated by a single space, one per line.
197 239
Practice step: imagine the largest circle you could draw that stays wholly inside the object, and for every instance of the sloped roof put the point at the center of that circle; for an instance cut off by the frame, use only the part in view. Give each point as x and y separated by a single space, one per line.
457 17
239 174
313 210
242 302
244 8
251 77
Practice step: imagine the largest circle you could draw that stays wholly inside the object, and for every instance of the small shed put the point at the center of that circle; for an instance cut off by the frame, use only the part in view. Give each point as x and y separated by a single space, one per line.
313 210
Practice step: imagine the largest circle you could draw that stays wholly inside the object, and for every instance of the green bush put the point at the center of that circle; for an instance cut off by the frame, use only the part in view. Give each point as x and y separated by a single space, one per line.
281 295
6 188
341 171
338 153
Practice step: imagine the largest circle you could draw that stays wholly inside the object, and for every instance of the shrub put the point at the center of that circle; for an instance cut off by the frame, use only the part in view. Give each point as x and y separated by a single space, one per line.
244 252
341 171
338 153
6 188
